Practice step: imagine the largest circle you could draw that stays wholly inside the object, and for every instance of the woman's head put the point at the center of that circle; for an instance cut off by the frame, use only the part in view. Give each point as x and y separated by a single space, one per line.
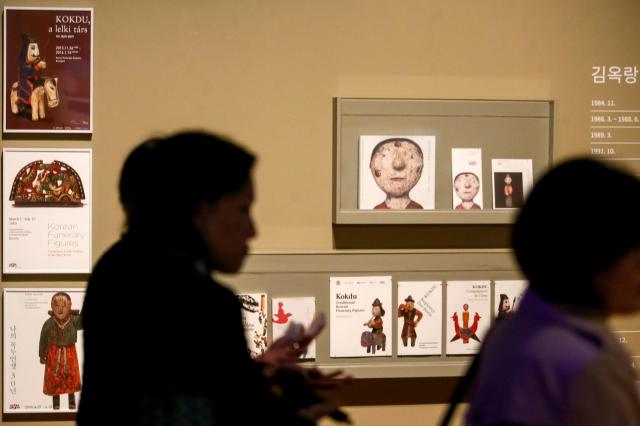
577 223
179 189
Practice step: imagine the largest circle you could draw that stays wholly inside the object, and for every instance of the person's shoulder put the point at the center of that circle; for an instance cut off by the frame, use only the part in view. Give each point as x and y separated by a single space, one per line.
554 343
557 346
541 359
605 392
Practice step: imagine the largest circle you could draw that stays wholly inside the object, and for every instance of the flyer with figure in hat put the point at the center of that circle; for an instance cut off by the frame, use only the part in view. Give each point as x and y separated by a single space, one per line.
361 316
419 317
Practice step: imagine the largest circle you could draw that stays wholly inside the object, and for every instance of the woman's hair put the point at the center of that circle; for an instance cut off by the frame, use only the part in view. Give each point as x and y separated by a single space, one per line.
163 180
579 219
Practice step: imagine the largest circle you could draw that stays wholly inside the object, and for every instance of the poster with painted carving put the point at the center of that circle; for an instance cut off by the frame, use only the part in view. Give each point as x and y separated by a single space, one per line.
48 75
46 211
42 355
512 181
254 321
468 316
397 172
361 316
286 311
507 296
419 313
466 168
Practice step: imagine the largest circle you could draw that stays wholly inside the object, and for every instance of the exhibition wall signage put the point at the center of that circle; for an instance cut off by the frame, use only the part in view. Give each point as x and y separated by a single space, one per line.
47 201
43 356
48 70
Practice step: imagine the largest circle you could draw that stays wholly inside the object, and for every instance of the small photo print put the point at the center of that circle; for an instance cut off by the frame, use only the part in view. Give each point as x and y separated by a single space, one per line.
466 168
512 181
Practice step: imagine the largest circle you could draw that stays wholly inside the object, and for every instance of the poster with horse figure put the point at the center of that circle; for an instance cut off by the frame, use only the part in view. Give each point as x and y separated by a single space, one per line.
361 316
48 70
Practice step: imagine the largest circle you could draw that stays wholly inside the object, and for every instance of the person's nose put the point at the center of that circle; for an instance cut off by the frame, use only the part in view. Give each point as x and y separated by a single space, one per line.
252 231
398 162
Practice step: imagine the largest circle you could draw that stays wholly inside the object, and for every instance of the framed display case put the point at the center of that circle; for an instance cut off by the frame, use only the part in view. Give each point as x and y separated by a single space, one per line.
438 281
431 140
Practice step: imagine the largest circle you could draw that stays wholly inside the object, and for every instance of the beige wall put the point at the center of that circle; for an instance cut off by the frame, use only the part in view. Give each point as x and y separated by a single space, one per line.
265 73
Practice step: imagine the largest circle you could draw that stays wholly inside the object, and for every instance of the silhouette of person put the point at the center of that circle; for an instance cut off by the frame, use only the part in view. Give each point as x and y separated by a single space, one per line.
564 365
155 352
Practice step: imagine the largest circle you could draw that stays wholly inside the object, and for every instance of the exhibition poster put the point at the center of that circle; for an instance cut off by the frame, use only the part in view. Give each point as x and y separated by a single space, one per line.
42 356
361 313
46 210
289 312
419 314
48 75
468 316
396 172
254 321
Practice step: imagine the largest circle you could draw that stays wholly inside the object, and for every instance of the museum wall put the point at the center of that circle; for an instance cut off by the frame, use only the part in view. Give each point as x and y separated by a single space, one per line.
265 74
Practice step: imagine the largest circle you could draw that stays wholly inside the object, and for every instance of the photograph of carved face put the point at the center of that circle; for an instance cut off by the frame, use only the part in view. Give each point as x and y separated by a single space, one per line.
512 181
508 190
466 186
396 172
